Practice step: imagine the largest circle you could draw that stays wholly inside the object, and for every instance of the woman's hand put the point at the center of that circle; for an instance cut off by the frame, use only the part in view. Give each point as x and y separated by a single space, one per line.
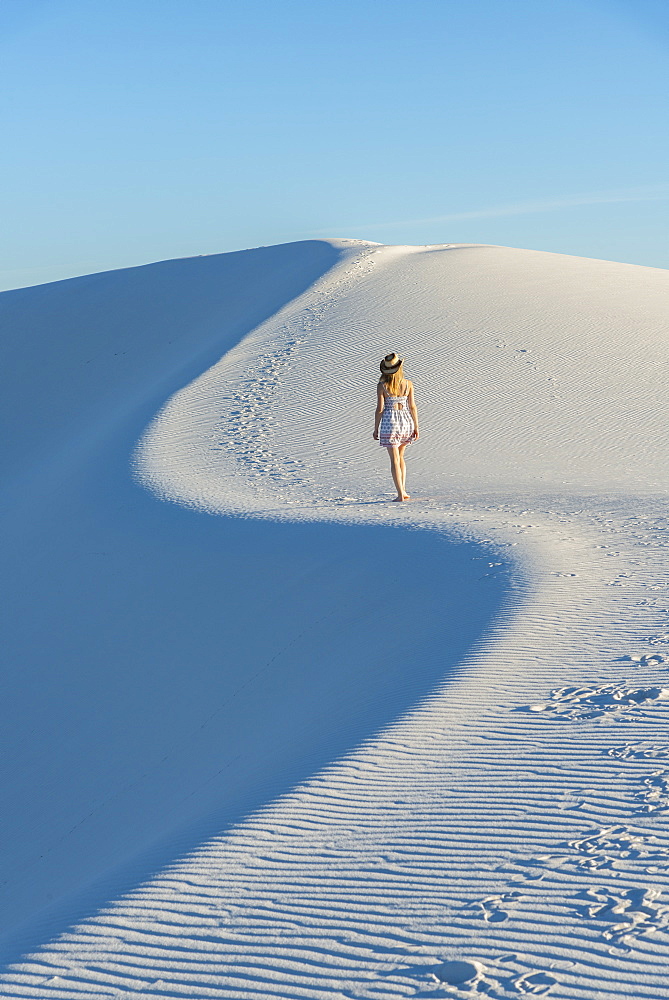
375 434
416 435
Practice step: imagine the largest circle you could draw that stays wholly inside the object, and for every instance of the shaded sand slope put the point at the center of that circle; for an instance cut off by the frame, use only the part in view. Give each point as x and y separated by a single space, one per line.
79 355
506 835
164 668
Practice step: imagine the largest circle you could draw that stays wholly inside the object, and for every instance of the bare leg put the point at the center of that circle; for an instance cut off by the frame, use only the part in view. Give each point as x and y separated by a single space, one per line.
403 470
396 470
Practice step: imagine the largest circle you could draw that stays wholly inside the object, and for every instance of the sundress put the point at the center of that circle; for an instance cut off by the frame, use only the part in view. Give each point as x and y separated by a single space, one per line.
396 422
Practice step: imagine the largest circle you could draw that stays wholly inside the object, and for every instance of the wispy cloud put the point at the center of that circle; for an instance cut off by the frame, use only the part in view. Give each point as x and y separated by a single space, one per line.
657 192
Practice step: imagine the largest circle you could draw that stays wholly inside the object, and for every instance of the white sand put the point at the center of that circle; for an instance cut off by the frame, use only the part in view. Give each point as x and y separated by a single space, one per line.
303 751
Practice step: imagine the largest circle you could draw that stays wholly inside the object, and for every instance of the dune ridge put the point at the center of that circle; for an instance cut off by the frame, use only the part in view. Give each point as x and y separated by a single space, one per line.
505 834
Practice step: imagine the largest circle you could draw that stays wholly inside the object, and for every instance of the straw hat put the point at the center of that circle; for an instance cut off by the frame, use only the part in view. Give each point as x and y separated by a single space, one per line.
390 364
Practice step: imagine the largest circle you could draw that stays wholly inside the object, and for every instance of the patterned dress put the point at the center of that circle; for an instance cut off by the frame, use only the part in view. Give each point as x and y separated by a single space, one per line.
396 422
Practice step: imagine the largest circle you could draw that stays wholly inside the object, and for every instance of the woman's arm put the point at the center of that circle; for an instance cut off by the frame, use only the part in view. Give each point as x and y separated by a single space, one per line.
414 411
380 404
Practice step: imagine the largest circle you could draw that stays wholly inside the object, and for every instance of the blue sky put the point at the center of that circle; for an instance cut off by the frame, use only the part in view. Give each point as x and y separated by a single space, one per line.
140 130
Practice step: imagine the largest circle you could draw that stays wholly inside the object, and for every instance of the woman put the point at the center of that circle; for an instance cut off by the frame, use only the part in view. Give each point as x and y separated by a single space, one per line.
396 418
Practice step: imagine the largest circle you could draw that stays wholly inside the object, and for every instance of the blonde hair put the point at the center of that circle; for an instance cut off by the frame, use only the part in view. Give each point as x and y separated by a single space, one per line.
393 382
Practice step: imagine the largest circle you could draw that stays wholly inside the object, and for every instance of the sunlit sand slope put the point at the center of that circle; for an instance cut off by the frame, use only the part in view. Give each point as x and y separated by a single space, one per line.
533 370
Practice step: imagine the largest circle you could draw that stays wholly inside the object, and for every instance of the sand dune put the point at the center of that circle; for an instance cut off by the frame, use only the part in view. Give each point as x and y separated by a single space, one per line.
270 735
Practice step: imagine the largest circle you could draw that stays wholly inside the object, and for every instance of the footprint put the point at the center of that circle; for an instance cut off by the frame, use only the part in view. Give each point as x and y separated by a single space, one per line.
655 795
629 914
492 908
570 800
458 973
582 703
640 751
645 659
612 848
534 983
616 847
468 977
661 639
456 977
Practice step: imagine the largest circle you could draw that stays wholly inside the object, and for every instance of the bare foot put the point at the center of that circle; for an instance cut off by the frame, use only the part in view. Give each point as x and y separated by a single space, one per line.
398 499
406 497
